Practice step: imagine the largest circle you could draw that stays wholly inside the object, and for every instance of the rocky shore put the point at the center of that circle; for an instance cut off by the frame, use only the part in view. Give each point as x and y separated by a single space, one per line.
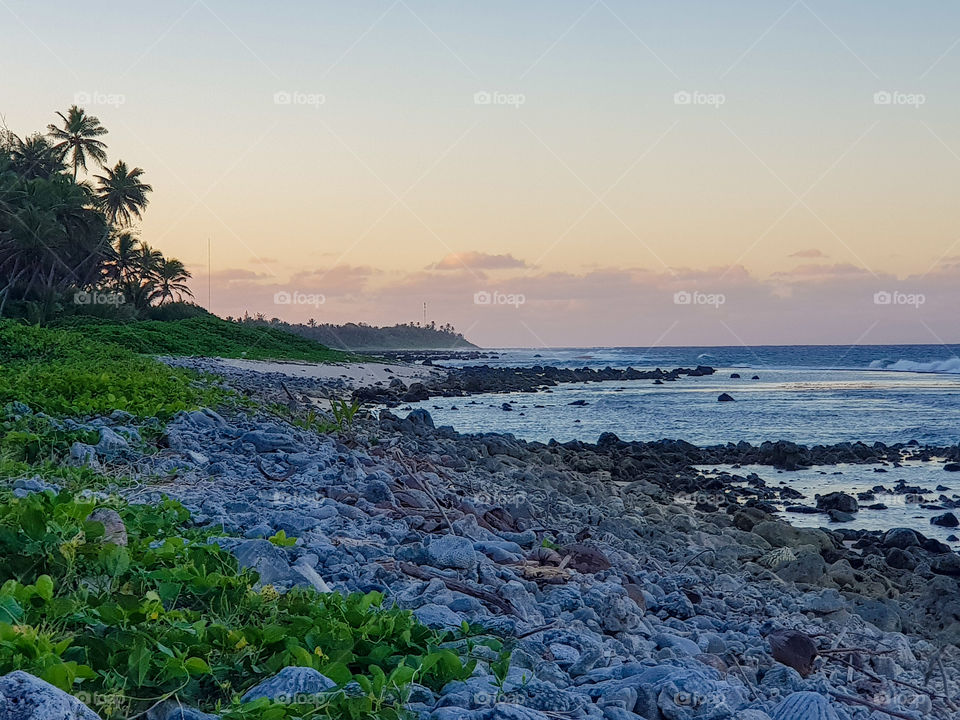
628 585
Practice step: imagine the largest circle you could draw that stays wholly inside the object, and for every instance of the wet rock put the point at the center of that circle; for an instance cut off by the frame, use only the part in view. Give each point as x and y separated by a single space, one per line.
724 397
838 501
946 520
901 538
946 565
25 697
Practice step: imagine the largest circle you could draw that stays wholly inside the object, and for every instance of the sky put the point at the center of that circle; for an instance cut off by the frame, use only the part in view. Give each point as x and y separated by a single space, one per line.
539 173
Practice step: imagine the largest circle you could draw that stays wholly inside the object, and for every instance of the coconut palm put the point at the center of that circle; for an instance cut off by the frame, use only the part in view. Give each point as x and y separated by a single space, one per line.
34 157
169 277
78 139
124 258
121 195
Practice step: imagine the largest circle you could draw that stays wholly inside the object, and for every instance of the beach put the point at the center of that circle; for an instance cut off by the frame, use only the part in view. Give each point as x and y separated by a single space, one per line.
632 587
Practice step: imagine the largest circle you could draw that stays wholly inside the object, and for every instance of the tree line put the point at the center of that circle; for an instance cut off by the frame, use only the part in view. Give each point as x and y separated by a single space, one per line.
67 236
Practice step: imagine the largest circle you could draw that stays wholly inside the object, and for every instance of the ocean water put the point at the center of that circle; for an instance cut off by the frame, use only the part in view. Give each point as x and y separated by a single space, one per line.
807 394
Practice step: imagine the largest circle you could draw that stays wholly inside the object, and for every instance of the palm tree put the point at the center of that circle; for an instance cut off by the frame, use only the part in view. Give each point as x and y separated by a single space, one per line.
34 157
169 277
121 195
77 139
124 258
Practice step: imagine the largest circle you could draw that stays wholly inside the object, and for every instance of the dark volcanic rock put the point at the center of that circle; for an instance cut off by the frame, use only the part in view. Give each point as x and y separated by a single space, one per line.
945 520
838 501
724 397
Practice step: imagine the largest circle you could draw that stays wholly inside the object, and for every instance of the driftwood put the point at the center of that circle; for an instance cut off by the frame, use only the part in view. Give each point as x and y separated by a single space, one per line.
455 585
852 700
903 683
398 454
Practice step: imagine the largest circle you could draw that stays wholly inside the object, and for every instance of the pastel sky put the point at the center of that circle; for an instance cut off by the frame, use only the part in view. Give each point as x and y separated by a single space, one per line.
603 171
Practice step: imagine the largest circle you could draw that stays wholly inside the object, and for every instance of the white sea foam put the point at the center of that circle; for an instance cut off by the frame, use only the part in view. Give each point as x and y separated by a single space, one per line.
950 365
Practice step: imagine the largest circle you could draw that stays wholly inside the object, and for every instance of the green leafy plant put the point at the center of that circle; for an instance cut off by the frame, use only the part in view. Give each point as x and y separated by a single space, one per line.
280 539
344 412
171 615
60 372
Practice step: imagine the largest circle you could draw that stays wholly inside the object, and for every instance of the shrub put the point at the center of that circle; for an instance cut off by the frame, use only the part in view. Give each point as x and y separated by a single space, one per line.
61 372
171 615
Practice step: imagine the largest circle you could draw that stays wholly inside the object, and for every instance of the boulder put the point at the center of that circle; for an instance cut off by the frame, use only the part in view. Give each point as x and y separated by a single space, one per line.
114 531
290 683
780 534
901 538
267 559
25 697
265 441
111 442
451 551
946 520
838 501
724 397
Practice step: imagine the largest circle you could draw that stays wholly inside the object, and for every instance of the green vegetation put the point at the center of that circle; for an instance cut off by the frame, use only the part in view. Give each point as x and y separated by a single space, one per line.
360 336
66 246
169 615
208 335
63 372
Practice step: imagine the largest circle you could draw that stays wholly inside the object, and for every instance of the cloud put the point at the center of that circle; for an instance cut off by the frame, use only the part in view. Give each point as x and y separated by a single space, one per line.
811 304
808 253
478 261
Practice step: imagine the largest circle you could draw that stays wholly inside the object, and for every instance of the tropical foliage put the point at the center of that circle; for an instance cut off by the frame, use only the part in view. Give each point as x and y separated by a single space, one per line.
67 244
168 615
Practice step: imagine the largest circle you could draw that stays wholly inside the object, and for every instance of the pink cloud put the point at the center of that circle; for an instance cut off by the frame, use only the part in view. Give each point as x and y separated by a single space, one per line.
808 253
478 261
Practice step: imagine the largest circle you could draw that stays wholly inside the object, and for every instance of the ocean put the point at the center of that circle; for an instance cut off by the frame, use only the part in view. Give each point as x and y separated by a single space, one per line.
806 394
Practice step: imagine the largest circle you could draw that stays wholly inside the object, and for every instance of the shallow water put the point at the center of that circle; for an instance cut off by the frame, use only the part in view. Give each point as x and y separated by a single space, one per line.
902 510
809 406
